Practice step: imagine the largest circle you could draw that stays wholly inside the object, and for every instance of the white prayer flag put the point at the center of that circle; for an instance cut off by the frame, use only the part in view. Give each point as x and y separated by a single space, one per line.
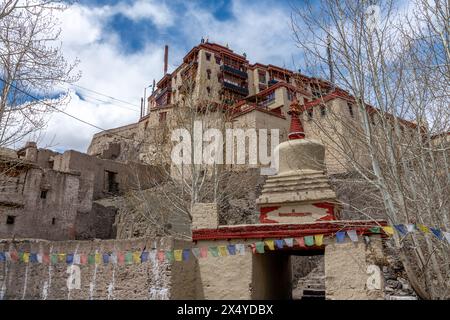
352 235
411 227
447 236
113 258
151 256
289 242
240 249
76 259
39 258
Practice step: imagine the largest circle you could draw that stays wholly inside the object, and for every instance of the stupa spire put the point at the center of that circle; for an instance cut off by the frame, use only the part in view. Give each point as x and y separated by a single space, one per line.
296 130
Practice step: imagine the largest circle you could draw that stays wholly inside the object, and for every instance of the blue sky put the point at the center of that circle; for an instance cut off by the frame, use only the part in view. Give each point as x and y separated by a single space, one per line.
120 47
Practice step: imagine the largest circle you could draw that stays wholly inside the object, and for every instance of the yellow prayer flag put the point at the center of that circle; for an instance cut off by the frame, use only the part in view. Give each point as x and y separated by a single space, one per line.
389 230
136 257
223 251
26 257
178 255
62 257
318 239
270 244
98 258
423 228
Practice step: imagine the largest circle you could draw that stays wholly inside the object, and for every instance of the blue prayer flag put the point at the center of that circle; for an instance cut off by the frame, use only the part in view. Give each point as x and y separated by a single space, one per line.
401 229
340 236
144 256
231 249
33 258
186 253
69 258
2 257
106 258
437 233
279 244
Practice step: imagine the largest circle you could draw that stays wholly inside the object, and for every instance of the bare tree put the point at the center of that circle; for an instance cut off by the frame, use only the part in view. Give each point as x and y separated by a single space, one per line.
392 68
31 66
166 208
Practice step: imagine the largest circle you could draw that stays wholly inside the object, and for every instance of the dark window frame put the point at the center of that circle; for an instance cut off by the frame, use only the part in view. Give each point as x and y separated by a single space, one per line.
10 220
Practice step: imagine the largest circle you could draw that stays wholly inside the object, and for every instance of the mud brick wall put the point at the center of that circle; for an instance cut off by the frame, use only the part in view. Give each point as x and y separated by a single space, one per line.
148 280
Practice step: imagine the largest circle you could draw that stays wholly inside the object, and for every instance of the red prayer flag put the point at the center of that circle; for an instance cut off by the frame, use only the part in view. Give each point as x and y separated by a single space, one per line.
14 256
203 252
120 257
83 258
161 255
45 258
300 241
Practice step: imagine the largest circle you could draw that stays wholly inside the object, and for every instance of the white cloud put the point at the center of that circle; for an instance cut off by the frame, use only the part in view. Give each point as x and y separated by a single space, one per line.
261 30
105 69
144 9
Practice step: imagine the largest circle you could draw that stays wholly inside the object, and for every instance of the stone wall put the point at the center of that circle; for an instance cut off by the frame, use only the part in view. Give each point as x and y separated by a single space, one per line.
148 280
44 204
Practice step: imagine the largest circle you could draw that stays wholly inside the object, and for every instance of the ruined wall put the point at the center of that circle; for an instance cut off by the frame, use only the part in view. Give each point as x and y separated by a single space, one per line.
128 175
148 280
126 137
50 217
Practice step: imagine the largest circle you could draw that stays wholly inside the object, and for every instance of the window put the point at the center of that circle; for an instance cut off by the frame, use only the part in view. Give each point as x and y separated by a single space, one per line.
10 219
209 90
208 74
111 184
350 110
262 77
310 114
323 111
53 221
208 56
43 194
162 116
372 119
217 60
290 95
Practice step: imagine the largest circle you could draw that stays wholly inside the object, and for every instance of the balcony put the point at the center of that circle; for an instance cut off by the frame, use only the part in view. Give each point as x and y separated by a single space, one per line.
241 90
233 71
266 103
272 82
162 92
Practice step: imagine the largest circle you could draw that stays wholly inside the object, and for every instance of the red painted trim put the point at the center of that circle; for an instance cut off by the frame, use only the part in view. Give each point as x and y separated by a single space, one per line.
261 231
329 210
263 214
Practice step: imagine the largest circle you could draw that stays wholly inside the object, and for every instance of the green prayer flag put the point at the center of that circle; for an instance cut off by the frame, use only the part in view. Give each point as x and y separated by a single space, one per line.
309 241
128 258
259 247
54 258
214 251
375 230
169 256
91 259
21 256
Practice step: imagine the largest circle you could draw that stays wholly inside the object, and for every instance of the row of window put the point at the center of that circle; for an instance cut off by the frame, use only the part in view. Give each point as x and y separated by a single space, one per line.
208 58
323 112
